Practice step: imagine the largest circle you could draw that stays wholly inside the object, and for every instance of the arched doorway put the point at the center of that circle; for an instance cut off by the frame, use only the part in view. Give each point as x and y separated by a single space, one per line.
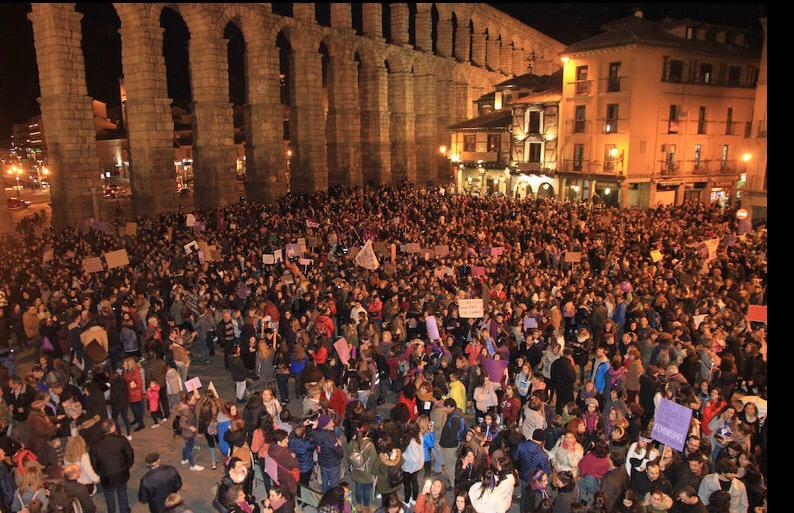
545 190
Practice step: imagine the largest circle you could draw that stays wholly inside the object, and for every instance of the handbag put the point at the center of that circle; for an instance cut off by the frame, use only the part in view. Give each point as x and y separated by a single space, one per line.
212 429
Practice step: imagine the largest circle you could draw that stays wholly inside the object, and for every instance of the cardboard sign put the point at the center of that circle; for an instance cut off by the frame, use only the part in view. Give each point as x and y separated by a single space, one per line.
413 247
191 246
432 328
756 313
477 271
470 308
302 244
497 251
656 255
305 261
131 229
573 257
671 424
193 384
92 265
495 369
441 250
277 256
268 259
294 250
190 220
117 258
343 350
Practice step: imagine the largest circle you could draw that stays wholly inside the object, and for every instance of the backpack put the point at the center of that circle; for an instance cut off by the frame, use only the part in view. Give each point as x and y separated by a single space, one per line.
357 461
175 426
461 430
395 476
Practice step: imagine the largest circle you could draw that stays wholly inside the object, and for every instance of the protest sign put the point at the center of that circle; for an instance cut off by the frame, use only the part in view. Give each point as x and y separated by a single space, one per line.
191 246
413 247
381 248
671 424
366 257
193 384
92 265
211 388
305 261
477 271
190 220
271 468
312 224
495 369
394 253
302 244
441 250
697 319
530 323
432 328
497 251
131 229
656 255
294 250
352 252
572 257
117 258
756 313
343 350
277 257
470 308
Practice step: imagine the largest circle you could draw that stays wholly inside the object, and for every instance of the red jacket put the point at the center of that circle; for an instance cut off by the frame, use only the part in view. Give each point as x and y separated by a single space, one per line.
135 393
592 466
411 404
511 409
337 402
324 324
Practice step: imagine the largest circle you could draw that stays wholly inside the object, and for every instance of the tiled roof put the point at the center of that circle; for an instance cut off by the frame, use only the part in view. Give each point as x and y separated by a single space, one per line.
497 119
541 97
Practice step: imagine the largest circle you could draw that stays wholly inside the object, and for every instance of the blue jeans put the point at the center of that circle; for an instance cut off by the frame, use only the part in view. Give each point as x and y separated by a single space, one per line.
187 451
137 412
283 386
437 458
330 477
110 498
364 494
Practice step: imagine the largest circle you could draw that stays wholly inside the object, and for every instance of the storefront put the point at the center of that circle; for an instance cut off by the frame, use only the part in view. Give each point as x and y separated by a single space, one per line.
529 186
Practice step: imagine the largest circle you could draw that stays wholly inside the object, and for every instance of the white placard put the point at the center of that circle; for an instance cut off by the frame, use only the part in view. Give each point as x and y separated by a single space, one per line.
470 308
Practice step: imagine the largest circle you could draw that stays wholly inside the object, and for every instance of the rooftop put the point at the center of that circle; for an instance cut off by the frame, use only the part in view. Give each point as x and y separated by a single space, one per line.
496 119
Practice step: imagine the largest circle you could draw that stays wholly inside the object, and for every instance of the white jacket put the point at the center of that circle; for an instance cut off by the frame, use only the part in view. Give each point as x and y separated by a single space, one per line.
532 420
497 500
413 457
646 456
563 459
711 484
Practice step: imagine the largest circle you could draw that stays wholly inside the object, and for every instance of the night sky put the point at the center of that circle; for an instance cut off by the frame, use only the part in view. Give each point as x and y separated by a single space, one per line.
19 88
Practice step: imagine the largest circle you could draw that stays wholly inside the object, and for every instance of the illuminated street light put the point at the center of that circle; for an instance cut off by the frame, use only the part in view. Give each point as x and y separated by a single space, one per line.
443 150
747 157
613 152
607 190
564 60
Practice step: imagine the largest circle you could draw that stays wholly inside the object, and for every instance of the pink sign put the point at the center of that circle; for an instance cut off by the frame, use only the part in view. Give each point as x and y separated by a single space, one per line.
477 271
271 468
432 329
497 251
343 350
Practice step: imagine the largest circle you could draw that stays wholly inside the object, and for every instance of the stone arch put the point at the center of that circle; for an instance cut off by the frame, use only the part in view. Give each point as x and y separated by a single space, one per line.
545 190
434 25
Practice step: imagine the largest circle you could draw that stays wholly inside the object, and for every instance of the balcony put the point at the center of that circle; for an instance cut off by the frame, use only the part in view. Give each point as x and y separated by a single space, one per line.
591 167
761 130
583 87
614 85
669 167
578 126
611 126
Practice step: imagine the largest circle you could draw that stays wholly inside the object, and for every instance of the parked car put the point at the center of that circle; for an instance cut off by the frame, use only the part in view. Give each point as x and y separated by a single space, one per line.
17 203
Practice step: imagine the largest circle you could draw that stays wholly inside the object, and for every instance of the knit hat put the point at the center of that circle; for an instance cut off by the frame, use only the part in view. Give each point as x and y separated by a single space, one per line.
591 400
539 435
322 421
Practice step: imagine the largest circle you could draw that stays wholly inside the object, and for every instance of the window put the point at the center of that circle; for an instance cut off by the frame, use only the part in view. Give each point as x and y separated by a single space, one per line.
613 84
705 73
672 126
748 129
733 75
669 164
609 159
729 122
534 152
698 151
702 120
581 73
724 156
493 143
690 32
675 71
534 122
611 125
579 123
470 142
582 84
285 125
578 156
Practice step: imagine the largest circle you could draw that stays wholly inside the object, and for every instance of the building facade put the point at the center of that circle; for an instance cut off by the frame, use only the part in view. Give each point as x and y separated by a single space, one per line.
383 123
657 112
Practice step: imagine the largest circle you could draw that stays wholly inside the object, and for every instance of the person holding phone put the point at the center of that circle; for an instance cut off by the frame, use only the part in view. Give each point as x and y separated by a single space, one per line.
433 498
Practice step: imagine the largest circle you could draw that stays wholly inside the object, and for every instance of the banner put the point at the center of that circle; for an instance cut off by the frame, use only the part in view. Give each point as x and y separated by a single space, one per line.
117 258
495 369
470 308
366 257
92 265
432 329
671 424
572 257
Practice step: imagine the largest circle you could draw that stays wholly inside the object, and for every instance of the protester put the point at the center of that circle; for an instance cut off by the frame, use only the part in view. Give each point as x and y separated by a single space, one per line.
158 483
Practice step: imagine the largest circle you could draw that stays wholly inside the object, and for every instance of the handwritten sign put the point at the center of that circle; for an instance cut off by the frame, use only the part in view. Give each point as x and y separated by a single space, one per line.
193 384
671 424
573 257
117 258
656 255
477 271
432 328
343 350
441 250
92 265
131 229
268 259
190 220
756 313
470 308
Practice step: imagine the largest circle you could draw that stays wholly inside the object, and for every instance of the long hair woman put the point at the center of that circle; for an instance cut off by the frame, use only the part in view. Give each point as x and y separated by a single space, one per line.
76 452
491 494
132 375
433 498
414 460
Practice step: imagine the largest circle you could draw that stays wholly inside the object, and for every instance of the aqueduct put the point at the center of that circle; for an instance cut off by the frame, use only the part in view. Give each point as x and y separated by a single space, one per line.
392 89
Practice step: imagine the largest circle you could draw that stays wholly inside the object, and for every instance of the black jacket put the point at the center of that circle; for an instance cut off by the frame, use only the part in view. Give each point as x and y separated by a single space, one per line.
642 485
112 456
563 375
237 368
80 492
156 485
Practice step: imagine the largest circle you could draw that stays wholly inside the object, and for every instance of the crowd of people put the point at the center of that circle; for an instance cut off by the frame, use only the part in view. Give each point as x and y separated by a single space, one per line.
368 386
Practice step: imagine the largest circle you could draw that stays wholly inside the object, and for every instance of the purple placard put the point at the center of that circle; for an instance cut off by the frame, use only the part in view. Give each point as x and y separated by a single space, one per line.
495 369
671 424
432 328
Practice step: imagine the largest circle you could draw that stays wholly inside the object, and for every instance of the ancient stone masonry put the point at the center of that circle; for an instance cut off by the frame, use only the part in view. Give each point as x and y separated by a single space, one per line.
380 124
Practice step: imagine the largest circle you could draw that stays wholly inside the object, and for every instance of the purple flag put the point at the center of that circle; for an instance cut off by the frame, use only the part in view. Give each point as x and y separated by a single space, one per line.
495 368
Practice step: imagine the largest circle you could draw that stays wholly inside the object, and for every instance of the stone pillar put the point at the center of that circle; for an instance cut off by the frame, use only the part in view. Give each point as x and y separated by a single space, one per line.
150 126
478 48
426 125
372 20
444 108
424 28
651 195
562 193
265 176
444 37
403 119
506 59
462 40
344 124
66 113
341 16
623 199
679 195
214 153
304 12
492 57
374 101
307 118
399 24
519 59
